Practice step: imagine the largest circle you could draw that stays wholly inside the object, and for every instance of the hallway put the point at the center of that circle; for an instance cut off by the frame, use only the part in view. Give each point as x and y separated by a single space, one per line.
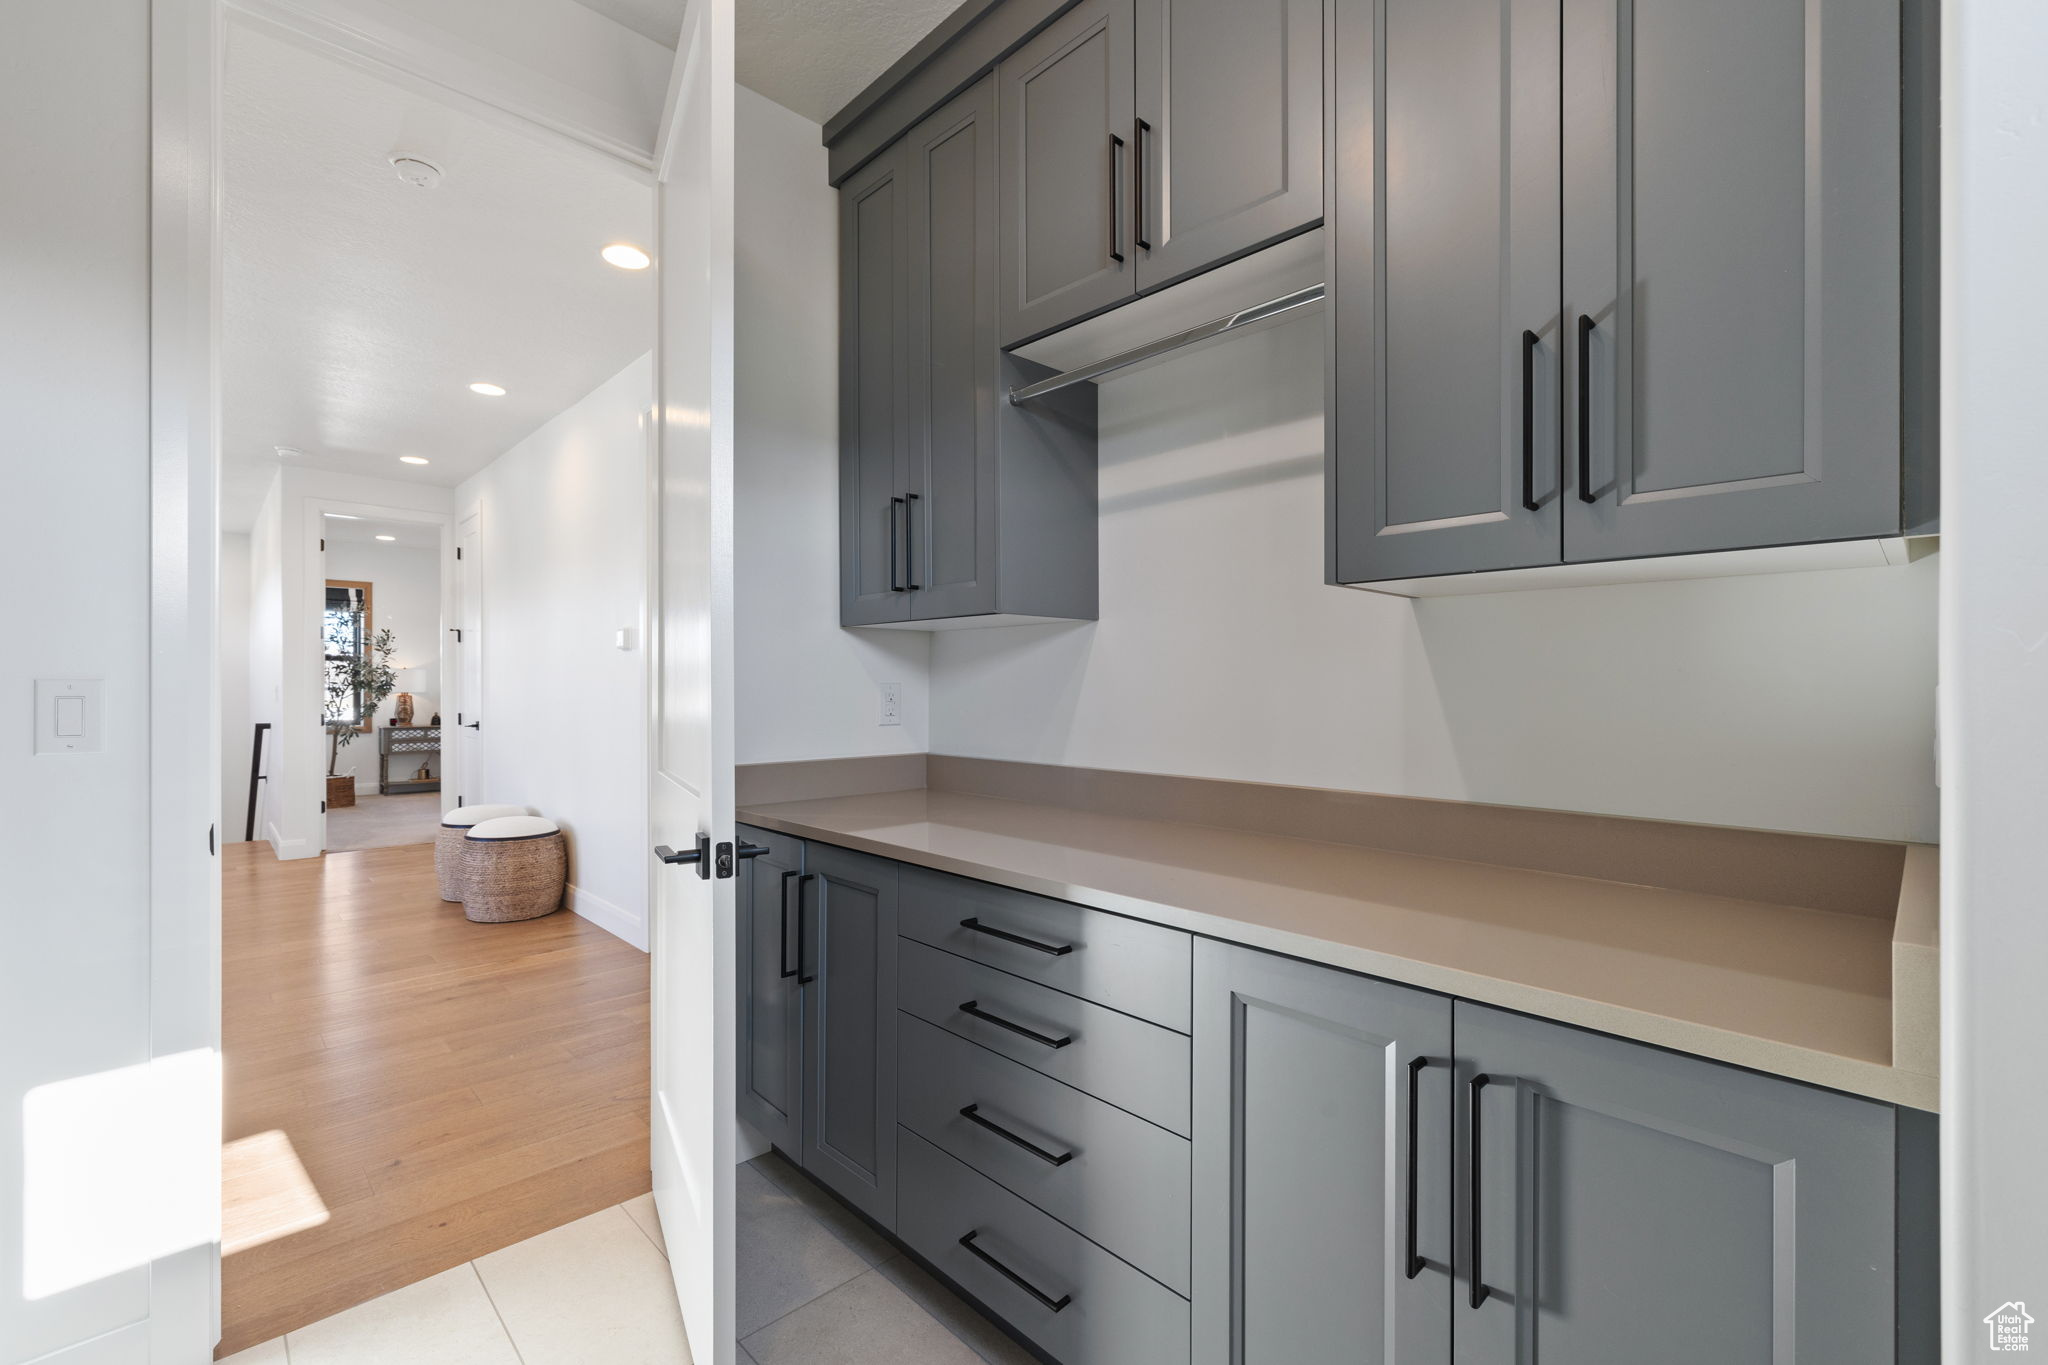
407 1091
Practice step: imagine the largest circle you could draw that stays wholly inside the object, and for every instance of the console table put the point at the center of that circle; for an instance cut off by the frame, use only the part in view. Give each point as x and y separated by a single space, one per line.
410 742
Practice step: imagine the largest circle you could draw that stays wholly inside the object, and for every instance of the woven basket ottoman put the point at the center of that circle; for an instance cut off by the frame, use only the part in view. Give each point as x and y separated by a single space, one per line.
513 868
448 843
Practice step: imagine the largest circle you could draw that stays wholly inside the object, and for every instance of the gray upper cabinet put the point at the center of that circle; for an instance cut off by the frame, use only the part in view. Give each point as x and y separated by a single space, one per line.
1732 234
848 972
1444 344
1632 1204
769 896
1227 149
1322 1163
1066 105
873 369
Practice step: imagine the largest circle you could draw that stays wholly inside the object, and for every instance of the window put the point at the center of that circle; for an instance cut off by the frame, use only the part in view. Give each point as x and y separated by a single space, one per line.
345 635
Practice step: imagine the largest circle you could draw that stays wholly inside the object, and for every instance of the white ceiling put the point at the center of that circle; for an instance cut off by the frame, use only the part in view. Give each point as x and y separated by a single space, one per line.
815 55
405 535
661 20
358 309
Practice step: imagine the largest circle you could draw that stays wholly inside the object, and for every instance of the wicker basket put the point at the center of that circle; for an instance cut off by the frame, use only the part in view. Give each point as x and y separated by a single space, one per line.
513 868
456 824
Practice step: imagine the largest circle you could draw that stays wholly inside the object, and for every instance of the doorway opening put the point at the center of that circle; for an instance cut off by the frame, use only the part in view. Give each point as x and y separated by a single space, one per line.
435 395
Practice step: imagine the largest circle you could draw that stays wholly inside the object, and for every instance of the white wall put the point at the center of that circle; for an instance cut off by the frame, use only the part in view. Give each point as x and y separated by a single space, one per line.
234 685
1799 702
806 688
1994 657
405 598
562 519
265 650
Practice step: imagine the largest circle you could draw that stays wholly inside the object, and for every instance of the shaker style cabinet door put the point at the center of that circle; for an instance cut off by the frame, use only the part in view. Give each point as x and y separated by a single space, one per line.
954 362
873 355
849 983
1731 249
1322 1165
770 895
1443 166
1065 112
1227 149
1630 1204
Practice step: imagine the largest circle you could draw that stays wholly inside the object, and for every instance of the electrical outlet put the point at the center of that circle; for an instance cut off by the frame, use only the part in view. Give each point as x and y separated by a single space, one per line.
892 705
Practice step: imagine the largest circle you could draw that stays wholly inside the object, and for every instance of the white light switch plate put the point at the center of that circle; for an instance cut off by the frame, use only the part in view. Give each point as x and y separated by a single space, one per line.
68 715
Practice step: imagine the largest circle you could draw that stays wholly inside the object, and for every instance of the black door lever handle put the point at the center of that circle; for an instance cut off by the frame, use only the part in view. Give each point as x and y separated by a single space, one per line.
700 855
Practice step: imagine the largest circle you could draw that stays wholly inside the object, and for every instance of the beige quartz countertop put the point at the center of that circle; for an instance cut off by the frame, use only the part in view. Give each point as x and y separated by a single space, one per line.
1797 992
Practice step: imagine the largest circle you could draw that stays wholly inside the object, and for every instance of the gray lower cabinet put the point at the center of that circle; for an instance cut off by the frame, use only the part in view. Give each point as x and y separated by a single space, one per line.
1322 1165
1075 1301
1631 1204
848 972
768 896
1227 149
1065 102
955 504
1644 300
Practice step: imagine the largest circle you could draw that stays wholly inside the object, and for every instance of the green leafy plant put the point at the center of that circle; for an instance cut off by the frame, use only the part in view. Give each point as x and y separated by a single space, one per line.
357 685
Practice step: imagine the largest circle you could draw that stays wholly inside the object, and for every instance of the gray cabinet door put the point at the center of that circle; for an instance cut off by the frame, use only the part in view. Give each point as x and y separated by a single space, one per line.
1637 1205
768 894
1065 101
1442 246
1227 149
1307 1179
849 982
950 183
873 339
1731 216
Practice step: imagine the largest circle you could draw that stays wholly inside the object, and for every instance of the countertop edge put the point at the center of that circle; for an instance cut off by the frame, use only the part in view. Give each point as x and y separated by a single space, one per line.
1887 1083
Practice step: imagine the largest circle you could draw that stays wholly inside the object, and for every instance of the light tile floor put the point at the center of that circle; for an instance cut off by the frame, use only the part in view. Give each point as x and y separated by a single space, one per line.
816 1284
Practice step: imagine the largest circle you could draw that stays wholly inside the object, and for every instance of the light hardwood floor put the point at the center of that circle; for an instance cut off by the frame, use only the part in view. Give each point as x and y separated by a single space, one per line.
448 1088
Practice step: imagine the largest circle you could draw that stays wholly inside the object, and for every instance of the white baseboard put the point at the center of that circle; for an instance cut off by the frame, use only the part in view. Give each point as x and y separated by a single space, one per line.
287 848
608 917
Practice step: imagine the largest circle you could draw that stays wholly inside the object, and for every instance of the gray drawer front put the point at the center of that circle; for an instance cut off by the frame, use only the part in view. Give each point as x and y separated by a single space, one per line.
1126 964
1132 1064
1124 1184
1115 1316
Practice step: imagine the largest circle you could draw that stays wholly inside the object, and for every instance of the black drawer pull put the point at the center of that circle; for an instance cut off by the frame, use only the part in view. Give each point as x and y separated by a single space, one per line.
1014 1278
782 958
1049 949
1476 1084
973 1007
972 1115
1586 493
1415 1065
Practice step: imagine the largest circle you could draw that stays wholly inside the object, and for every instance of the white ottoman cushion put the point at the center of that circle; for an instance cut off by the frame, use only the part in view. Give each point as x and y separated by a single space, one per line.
514 827
464 816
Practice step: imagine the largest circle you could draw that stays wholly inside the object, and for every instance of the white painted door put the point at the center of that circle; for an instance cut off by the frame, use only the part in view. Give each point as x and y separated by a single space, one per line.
461 716
691 783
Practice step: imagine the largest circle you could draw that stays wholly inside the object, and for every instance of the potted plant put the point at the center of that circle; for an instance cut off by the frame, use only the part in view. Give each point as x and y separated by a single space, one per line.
357 684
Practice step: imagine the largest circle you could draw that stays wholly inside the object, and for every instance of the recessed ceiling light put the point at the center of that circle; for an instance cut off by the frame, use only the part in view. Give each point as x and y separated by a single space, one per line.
626 256
487 390
341 516
387 537
412 459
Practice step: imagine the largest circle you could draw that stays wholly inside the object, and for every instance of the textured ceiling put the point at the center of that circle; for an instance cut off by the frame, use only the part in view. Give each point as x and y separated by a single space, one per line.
815 55
661 20
357 309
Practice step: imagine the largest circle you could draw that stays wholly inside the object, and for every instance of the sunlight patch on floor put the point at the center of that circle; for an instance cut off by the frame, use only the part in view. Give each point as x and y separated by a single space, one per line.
265 1192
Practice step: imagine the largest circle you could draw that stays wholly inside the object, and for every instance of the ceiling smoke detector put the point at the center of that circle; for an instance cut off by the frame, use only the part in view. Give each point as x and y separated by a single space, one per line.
417 171
288 452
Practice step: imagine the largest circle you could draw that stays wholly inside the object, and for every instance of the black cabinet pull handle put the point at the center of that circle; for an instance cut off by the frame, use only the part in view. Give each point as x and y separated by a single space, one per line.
972 1114
801 883
1049 949
1054 1305
1586 493
910 543
1415 1065
895 547
1529 502
784 970
1144 133
1116 199
1477 1084
973 1007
